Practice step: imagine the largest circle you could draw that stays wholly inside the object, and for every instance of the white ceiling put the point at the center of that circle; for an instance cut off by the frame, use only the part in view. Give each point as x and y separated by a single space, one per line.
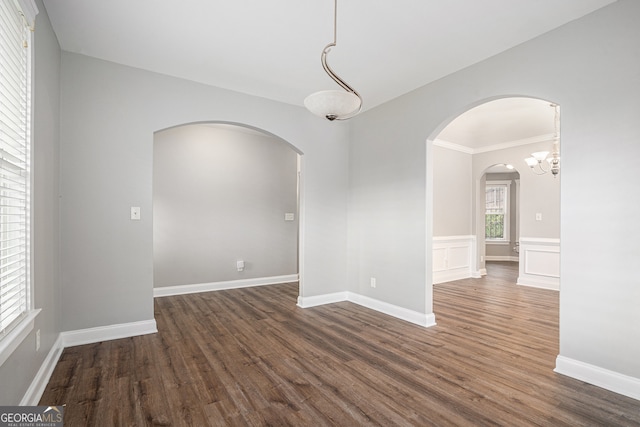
503 121
272 48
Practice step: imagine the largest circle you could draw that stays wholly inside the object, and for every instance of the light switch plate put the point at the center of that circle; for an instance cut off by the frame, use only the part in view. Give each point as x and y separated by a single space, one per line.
289 216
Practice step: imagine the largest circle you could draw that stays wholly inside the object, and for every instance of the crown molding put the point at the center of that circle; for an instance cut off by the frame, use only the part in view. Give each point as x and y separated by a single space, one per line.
495 147
452 146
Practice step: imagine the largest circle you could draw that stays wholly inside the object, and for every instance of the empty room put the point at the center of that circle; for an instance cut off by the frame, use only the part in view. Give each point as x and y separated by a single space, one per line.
320 213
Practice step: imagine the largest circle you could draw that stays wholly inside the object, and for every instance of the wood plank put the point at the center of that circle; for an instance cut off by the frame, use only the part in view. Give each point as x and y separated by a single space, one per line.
252 357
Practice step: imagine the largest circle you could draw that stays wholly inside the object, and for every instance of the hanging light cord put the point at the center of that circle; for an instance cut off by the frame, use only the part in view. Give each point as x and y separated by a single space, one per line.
328 69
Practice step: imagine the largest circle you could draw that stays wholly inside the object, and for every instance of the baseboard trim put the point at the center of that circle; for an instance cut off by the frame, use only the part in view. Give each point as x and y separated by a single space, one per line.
422 319
79 337
166 291
604 378
308 302
415 317
39 383
541 282
501 258
450 275
106 333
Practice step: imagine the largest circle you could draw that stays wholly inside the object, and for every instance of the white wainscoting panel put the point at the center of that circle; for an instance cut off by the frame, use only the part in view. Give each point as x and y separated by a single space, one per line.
453 258
539 263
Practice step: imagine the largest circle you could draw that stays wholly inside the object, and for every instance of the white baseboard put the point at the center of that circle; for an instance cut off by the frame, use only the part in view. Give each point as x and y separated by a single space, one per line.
501 258
39 383
166 291
308 302
539 282
106 333
450 275
422 319
80 337
415 317
479 273
610 380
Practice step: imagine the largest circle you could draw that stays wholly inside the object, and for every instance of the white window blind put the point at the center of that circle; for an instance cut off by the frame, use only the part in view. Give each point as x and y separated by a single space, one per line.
15 142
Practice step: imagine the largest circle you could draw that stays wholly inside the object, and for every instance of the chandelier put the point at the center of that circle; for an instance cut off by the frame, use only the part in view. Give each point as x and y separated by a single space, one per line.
334 104
541 162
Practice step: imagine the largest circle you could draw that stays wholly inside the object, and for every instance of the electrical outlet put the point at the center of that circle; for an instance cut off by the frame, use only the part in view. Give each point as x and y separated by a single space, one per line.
38 340
135 213
373 282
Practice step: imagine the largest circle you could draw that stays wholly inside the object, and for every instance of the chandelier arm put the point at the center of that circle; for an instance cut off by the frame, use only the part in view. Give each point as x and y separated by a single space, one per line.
542 171
541 168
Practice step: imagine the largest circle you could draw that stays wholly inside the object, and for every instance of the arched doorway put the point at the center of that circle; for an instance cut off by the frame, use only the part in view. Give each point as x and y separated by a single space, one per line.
498 132
226 201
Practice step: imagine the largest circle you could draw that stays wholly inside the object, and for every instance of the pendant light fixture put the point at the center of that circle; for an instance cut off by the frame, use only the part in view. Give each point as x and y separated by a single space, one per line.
536 161
334 104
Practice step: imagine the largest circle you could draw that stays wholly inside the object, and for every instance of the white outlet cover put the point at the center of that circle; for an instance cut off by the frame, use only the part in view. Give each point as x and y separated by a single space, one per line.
135 213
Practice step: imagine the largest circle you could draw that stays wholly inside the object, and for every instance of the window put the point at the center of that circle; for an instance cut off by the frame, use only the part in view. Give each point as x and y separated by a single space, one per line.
496 218
16 316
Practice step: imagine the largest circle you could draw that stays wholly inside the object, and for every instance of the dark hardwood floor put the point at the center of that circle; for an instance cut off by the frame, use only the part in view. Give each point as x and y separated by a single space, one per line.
251 357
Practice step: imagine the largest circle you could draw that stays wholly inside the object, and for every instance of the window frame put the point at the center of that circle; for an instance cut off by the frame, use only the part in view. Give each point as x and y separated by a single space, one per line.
19 328
507 212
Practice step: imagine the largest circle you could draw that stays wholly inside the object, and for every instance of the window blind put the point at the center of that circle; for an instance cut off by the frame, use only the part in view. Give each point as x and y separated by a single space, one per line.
15 141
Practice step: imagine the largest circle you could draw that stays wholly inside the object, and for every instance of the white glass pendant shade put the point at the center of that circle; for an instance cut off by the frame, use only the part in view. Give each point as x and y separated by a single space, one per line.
540 155
332 104
531 162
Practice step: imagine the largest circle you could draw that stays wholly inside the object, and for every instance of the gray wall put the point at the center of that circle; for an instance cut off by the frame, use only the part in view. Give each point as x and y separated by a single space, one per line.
109 114
19 370
590 68
220 194
452 192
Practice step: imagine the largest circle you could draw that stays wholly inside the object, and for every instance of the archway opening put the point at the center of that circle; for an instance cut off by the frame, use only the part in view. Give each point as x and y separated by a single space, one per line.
498 132
471 152
226 208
